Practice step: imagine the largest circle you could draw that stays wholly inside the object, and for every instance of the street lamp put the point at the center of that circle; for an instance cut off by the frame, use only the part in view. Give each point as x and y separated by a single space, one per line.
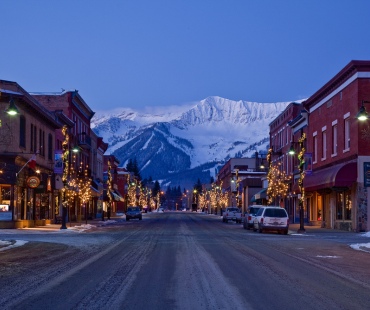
301 177
362 115
12 109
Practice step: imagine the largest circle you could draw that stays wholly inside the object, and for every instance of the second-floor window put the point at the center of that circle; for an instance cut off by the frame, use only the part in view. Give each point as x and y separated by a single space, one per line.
334 139
41 142
347 137
323 145
33 139
314 149
22 131
50 146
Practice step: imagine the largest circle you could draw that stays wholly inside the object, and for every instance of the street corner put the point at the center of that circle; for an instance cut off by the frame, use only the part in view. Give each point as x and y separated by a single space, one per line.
10 244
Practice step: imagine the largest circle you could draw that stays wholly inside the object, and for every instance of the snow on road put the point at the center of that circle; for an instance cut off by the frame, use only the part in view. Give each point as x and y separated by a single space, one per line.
7 245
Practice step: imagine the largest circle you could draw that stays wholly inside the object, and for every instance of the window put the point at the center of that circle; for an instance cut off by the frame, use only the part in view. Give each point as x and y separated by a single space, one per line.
50 146
33 138
334 139
347 137
344 206
314 149
22 131
41 148
323 144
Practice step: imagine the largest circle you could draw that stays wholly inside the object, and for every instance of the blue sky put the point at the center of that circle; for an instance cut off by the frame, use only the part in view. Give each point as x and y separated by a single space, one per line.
137 53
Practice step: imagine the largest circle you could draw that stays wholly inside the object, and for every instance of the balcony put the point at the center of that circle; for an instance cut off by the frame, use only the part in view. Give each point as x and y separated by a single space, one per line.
84 141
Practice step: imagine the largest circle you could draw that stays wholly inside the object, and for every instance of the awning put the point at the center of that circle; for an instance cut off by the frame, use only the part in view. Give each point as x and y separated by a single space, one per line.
95 192
259 195
338 176
116 196
96 188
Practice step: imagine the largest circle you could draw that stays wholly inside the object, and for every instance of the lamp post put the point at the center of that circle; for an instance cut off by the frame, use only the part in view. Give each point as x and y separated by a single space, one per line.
300 180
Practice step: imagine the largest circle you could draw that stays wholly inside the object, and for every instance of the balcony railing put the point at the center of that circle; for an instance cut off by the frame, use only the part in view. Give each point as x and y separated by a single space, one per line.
84 141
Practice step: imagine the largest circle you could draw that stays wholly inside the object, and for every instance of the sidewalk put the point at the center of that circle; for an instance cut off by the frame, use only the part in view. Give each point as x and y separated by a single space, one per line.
293 228
71 226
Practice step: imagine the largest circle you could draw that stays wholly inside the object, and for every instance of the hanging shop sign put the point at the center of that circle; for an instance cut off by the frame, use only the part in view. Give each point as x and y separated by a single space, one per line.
33 182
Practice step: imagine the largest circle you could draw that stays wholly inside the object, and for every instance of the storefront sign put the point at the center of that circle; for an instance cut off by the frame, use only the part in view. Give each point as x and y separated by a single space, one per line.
366 174
58 159
33 182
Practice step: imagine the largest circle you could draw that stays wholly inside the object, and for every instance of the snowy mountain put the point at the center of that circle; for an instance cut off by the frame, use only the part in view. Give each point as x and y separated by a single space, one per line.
181 146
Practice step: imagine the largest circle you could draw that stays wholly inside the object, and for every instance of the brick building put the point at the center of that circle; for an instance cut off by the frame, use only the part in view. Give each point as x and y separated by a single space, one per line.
337 194
282 136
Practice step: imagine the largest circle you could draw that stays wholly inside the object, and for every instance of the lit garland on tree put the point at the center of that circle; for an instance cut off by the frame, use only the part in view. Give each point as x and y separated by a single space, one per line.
152 202
84 185
109 184
131 192
65 155
301 168
142 197
213 199
202 200
224 199
72 188
277 181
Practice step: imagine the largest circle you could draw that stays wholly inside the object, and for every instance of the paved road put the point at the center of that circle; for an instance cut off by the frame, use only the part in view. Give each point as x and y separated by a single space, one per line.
184 260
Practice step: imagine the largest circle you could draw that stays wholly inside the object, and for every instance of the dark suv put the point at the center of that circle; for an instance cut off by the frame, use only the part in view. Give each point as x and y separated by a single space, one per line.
133 213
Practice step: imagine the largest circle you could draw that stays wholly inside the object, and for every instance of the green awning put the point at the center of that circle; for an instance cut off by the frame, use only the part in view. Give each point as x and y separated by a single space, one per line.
259 195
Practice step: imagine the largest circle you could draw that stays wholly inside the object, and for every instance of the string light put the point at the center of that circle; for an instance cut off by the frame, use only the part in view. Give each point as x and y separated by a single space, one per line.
278 181
301 167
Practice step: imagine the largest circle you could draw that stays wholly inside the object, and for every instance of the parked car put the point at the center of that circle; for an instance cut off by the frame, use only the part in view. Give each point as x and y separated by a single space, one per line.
271 218
249 216
232 214
133 213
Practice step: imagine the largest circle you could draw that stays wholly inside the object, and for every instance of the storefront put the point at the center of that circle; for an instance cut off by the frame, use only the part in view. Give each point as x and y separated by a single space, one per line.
333 193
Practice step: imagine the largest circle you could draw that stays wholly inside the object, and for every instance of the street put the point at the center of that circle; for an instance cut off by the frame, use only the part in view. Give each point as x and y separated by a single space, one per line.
183 260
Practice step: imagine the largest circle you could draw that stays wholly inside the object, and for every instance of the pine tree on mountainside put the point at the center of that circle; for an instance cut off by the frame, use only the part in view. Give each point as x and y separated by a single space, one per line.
132 166
135 169
129 165
156 188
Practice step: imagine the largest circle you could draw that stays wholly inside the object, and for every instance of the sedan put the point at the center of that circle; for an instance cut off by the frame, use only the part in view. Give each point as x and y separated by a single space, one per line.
133 213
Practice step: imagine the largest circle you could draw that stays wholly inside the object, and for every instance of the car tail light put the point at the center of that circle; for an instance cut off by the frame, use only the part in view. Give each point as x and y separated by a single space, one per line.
261 220
249 218
287 221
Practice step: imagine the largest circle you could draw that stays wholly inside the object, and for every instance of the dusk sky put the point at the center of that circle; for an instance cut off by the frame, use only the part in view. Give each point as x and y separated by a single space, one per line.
140 53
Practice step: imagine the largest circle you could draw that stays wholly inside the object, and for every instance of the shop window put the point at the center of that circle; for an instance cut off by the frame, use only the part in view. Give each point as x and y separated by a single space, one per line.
344 206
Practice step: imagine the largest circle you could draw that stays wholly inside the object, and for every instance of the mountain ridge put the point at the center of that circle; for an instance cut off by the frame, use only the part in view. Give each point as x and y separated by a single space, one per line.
194 141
